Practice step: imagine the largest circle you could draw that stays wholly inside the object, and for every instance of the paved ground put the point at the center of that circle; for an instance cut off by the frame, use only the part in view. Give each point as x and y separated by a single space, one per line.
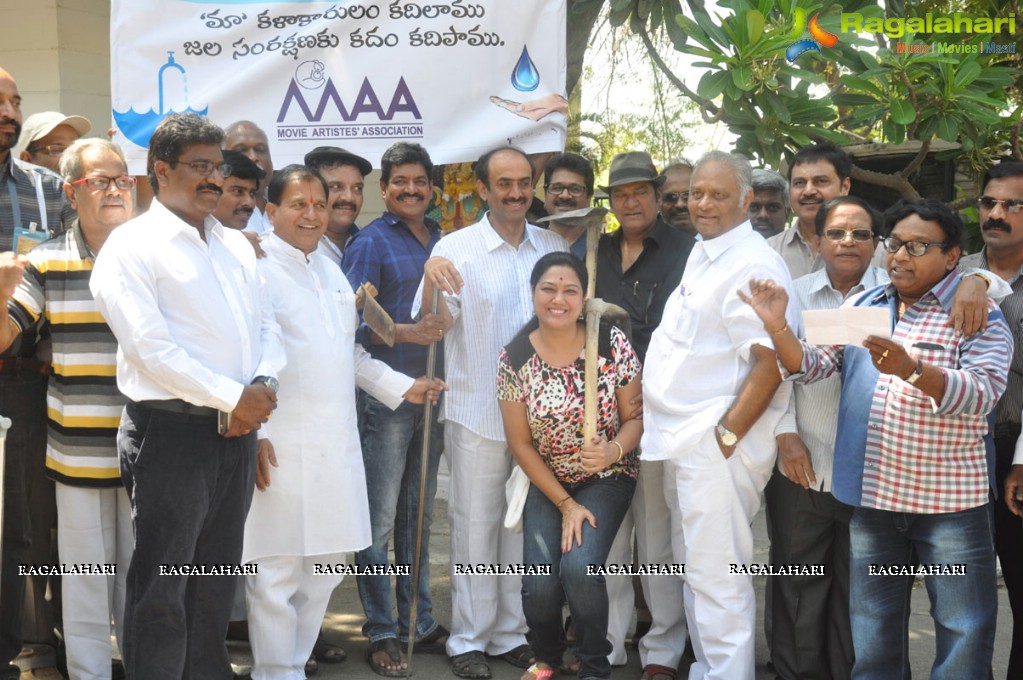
344 621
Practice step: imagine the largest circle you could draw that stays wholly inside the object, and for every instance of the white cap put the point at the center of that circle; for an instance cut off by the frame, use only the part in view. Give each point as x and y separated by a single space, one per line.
39 125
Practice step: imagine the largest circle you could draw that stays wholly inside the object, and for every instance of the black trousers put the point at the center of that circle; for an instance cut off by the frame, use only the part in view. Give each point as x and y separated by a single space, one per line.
811 636
1009 544
190 490
23 400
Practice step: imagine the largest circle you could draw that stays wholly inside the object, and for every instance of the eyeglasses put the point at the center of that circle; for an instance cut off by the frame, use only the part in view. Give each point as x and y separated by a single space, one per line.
860 235
206 168
100 183
914 248
49 149
1010 205
671 197
575 190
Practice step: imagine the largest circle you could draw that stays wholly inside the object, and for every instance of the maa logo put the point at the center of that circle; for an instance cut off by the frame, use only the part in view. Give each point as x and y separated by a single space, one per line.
365 102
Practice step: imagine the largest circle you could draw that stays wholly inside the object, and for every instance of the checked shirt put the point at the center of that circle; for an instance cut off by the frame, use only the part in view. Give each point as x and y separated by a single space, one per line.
898 450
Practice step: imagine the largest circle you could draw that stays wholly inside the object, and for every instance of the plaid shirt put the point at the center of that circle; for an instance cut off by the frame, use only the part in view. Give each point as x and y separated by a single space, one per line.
386 254
23 177
897 449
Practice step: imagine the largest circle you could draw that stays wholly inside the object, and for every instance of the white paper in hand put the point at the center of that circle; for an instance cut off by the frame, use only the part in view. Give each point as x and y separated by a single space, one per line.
846 325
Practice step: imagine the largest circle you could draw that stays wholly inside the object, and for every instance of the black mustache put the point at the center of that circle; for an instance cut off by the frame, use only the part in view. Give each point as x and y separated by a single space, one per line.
243 211
996 224
343 204
418 197
211 187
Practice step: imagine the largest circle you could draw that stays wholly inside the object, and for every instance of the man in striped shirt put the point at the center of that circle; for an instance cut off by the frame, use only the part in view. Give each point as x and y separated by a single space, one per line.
910 454
484 270
83 403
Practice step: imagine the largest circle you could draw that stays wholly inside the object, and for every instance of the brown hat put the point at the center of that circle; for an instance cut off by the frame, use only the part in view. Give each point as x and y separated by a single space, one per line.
632 166
323 154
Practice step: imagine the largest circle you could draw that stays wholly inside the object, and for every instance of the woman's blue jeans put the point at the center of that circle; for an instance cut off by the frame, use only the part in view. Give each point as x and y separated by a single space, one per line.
570 578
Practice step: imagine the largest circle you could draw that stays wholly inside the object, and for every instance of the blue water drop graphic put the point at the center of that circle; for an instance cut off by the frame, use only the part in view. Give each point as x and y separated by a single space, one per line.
525 77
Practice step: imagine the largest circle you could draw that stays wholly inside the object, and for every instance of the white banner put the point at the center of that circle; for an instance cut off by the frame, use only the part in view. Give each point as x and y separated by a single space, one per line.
457 76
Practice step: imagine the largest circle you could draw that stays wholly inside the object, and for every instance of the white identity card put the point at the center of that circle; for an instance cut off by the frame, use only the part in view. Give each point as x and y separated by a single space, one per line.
846 325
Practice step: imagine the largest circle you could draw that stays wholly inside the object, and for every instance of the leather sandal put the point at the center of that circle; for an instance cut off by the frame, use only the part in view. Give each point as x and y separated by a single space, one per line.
471 665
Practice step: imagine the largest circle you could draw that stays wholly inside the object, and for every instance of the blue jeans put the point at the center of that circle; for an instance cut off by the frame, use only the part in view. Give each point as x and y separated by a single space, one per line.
190 490
963 606
542 596
392 444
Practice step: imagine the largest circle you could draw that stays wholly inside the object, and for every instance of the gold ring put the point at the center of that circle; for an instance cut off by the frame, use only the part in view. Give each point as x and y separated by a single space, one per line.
880 360
884 354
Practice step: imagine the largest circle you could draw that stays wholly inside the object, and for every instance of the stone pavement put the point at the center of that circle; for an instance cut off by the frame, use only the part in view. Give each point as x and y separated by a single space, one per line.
344 620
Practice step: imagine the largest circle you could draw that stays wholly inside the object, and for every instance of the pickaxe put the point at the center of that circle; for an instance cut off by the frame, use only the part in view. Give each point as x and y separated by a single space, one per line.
379 321
593 219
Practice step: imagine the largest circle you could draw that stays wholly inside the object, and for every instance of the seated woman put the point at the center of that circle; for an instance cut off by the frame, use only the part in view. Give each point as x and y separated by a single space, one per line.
580 490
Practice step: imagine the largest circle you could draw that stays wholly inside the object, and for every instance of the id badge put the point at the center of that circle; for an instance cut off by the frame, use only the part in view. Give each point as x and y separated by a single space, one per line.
27 239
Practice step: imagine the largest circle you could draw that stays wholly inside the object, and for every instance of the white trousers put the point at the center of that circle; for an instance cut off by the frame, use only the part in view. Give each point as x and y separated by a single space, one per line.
486 610
93 527
713 501
286 602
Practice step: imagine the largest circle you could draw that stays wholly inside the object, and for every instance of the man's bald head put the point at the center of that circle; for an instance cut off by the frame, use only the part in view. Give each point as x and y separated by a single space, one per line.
247 138
10 114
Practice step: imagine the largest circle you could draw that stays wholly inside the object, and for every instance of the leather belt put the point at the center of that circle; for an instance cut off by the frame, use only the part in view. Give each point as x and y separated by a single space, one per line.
179 406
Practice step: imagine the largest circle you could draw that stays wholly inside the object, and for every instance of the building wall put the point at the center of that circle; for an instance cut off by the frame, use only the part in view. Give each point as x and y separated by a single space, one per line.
59 53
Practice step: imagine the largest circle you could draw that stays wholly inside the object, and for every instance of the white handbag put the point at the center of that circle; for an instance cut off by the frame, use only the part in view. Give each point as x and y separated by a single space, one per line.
515 490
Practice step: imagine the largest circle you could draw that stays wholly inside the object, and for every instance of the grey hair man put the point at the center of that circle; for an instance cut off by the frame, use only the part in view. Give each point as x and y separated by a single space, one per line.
769 210
93 514
717 436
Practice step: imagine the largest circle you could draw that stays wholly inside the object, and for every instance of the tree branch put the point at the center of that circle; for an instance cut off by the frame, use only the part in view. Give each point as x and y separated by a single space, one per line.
896 181
915 164
705 104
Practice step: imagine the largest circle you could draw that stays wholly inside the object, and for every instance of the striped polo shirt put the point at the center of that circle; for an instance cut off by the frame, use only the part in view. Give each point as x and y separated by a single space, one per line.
82 401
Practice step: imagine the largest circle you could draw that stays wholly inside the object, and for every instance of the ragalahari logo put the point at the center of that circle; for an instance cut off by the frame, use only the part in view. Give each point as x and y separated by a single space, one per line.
818 37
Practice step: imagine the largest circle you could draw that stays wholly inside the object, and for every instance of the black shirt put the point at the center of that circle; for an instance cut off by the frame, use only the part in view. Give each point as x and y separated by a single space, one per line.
644 289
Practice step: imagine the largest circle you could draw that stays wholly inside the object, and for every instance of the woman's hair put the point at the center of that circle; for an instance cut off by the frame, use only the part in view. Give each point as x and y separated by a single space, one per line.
555 259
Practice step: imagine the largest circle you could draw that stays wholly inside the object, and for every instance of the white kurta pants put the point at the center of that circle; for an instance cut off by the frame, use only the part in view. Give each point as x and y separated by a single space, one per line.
93 527
713 501
486 610
664 644
286 601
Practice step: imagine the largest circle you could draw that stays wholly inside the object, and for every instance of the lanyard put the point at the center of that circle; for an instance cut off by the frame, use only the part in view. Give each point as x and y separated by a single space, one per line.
16 203
15 206
41 200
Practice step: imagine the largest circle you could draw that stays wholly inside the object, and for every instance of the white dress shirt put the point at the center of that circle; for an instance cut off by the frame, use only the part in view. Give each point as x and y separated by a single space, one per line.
495 302
699 356
813 409
188 314
259 223
314 429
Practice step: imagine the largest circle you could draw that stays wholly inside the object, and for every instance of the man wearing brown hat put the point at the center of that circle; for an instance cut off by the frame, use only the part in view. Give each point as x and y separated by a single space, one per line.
638 267
344 173
44 136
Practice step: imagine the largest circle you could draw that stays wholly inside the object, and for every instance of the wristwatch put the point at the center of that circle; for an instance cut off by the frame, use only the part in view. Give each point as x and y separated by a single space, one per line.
917 372
727 437
266 380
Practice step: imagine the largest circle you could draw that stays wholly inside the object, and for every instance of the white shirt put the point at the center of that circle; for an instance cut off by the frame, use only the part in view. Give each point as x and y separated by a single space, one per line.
813 409
495 302
314 429
699 356
188 315
258 222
